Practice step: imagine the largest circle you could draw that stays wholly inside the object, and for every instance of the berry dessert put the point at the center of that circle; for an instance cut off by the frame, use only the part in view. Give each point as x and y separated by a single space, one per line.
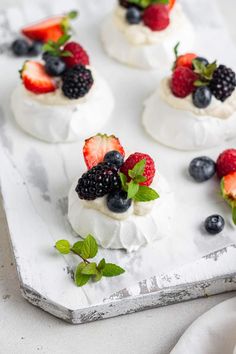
195 108
33 36
62 98
121 197
140 33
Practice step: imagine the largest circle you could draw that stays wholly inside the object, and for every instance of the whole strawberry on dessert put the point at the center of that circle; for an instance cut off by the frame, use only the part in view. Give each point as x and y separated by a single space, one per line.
196 104
140 32
33 36
117 196
61 94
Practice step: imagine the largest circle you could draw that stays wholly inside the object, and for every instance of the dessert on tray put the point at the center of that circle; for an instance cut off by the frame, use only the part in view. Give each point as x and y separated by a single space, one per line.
122 199
141 33
61 98
194 108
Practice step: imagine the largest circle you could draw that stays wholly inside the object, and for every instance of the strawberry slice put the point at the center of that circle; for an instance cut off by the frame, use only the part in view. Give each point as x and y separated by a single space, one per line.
185 60
35 78
45 30
96 147
228 189
171 4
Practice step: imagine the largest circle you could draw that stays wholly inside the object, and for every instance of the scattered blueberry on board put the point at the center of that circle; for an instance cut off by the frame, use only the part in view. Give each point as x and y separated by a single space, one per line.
22 47
214 224
202 168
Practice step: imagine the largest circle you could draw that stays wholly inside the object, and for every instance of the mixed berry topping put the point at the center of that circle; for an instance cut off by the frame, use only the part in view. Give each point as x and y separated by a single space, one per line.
50 29
65 66
120 181
203 168
152 14
193 75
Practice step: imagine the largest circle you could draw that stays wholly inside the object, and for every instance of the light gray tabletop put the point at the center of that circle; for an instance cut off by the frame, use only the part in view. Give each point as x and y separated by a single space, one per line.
26 329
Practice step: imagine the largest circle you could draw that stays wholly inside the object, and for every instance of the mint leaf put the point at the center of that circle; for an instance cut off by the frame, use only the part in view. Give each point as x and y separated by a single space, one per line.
234 215
89 248
97 277
199 83
132 189
123 179
176 48
101 264
63 246
72 14
90 269
81 279
66 53
112 270
138 169
76 248
63 39
146 194
139 179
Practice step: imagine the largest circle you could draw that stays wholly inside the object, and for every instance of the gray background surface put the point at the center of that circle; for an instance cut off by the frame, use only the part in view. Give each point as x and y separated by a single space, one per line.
25 329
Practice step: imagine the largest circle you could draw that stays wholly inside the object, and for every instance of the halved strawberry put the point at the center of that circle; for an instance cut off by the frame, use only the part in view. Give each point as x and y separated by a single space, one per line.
45 30
185 60
228 189
171 4
35 78
96 147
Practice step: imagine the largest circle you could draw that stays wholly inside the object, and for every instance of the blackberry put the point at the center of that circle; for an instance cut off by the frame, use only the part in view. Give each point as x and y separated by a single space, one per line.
223 83
77 82
98 181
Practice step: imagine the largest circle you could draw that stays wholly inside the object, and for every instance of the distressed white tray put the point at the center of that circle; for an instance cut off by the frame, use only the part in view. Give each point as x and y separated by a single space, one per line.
35 178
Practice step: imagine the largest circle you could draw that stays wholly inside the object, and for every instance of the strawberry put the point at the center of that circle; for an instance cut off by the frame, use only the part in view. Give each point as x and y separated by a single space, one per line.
226 162
182 81
171 4
228 189
79 55
49 29
185 60
35 78
96 147
149 170
156 17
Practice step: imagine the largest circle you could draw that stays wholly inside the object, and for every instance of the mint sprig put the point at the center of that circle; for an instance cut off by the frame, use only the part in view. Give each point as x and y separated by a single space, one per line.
145 3
56 48
87 270
133 188
205 72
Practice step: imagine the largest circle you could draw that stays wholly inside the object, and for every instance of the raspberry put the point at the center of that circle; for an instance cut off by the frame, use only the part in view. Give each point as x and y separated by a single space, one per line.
182 82
79 55
98 181
77 82
226 162
156 17
149 171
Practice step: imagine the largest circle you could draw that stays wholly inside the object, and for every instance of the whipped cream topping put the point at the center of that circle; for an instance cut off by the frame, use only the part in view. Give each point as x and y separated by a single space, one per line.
218 109
52 117
130 232
141 34
139 46
136 208
177 123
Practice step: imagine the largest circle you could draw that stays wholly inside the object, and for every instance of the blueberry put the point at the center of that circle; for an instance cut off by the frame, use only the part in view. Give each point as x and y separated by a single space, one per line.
20 47
202 168
202 60
46 56
202 97
35 49
55 66
115 158
214 224
133 15
118 202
